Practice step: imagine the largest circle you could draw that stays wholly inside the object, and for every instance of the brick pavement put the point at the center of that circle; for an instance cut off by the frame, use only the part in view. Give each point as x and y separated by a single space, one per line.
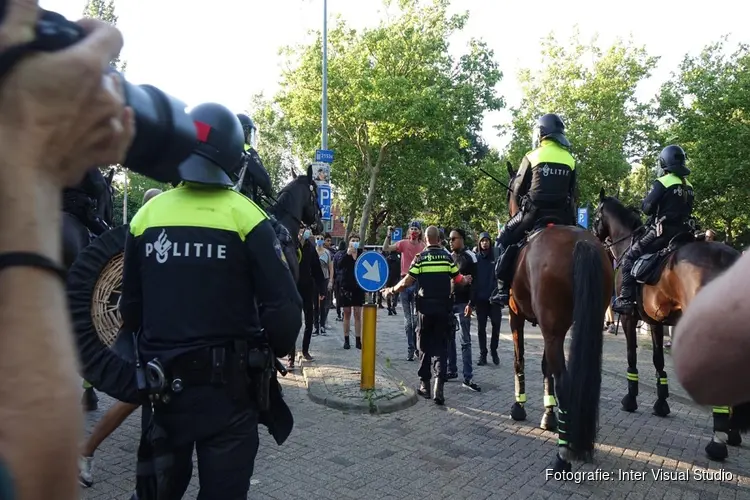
468 449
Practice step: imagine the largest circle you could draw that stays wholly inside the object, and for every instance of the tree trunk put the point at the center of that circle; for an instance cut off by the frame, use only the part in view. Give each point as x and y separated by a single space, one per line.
367 208
350 221
375 224
728 239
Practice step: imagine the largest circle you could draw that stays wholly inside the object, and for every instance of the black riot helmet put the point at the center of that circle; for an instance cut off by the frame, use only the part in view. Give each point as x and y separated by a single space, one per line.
672 159
217 158
249 130
550 126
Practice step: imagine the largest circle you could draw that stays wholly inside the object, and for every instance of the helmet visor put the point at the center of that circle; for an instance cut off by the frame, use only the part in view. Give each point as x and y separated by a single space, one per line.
253 138
536 137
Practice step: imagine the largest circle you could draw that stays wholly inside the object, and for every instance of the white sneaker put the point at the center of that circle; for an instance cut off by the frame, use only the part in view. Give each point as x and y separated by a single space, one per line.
85 471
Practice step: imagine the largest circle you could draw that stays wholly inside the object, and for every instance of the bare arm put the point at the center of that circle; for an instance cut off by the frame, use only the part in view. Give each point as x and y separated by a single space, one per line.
710 362
39 413
405 283
387 246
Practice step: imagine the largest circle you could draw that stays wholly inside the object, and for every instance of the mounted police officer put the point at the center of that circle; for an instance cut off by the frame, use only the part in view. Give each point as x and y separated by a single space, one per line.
670 207
254 179
543 187
82 201
208 289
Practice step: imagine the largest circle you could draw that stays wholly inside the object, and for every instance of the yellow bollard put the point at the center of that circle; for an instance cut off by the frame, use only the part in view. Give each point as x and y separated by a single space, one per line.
369 333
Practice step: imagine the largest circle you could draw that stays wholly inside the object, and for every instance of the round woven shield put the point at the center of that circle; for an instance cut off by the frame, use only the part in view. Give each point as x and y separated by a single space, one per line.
106 299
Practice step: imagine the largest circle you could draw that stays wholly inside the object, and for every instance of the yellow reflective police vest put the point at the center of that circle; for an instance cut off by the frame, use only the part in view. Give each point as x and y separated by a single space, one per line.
551 152
671 179
186 206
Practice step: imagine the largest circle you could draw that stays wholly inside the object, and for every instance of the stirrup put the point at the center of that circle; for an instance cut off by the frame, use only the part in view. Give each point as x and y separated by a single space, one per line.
623 305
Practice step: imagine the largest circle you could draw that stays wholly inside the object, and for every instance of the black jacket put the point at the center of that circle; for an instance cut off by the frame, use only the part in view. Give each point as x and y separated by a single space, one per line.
466 260
204 268
310 273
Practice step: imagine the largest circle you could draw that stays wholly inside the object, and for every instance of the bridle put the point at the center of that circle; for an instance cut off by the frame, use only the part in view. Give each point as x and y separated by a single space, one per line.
610 246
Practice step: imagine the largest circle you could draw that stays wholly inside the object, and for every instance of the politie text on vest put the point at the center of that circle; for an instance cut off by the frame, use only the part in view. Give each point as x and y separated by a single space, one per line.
164 248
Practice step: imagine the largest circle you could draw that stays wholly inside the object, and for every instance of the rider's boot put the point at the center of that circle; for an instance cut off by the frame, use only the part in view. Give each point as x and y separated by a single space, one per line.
625 302
501 294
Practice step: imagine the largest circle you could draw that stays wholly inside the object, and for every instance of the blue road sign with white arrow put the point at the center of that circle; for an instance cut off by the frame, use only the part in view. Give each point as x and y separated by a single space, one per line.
396 235
583 217
371 271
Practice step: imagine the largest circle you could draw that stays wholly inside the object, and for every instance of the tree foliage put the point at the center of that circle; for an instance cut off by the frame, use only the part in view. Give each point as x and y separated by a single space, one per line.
706 109
402 111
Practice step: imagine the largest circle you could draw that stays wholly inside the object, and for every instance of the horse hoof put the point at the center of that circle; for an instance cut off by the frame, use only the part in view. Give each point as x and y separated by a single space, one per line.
629 403
89 400
549 421
717 451
562 465
734 439
517 412
661 408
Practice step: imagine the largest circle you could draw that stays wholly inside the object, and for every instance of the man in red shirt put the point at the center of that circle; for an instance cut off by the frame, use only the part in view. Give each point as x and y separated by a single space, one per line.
409 249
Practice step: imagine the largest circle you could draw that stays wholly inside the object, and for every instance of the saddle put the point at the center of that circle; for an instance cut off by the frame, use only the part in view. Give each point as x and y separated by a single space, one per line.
648 268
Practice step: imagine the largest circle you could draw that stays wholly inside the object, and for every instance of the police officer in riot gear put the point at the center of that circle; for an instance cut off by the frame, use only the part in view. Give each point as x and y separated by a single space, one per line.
82 201
433 270
670 207
254 179
207 287
544 186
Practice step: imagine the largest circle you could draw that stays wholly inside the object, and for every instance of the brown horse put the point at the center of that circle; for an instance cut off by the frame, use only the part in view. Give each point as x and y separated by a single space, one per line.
562 278
661 300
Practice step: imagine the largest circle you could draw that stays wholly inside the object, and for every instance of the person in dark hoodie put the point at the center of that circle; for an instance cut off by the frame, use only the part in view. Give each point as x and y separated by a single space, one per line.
340 252
352 296
311 286
483 287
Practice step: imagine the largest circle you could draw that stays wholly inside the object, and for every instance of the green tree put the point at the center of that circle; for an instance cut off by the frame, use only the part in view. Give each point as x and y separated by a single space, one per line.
594 92
275 142
104 10
706 109
401 109
137 187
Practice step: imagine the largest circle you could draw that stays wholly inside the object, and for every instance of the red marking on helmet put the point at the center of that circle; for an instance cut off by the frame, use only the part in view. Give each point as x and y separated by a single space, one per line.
202 129
550 224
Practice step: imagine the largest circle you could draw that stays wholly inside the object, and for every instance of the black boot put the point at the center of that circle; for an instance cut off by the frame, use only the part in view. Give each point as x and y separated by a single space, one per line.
501 295
482 359
439 397
424 389
625 303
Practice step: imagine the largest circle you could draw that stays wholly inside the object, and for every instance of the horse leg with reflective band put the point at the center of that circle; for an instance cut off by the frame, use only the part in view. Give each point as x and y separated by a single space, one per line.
661 407
629 322
517 411
555 354
717 448
549 419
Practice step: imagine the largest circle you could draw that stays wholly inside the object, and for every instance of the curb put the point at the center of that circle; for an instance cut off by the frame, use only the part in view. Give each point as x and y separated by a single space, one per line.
318 393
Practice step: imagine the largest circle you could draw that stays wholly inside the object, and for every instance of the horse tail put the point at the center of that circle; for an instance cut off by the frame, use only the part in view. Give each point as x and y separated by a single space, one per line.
740 419
584 370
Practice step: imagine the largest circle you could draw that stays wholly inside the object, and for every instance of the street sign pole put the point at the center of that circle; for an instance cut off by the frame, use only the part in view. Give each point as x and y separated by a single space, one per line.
371 274
324 119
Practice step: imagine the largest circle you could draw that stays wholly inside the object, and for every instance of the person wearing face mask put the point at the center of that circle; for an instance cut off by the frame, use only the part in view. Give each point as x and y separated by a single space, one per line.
320 309
408 249
352 297
311 287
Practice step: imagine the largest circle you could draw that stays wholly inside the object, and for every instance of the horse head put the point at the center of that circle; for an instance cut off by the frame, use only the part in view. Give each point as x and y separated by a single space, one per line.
613 220
298 203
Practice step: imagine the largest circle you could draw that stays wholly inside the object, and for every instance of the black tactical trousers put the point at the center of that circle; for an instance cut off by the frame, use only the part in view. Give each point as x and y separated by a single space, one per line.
224 434
494 312
433 335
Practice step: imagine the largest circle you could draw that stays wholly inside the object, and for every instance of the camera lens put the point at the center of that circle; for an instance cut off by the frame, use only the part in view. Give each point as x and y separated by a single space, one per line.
165 133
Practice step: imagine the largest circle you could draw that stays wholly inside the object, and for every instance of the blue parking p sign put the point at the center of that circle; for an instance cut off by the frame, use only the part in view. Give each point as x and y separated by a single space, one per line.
583 217
396 235
324 200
